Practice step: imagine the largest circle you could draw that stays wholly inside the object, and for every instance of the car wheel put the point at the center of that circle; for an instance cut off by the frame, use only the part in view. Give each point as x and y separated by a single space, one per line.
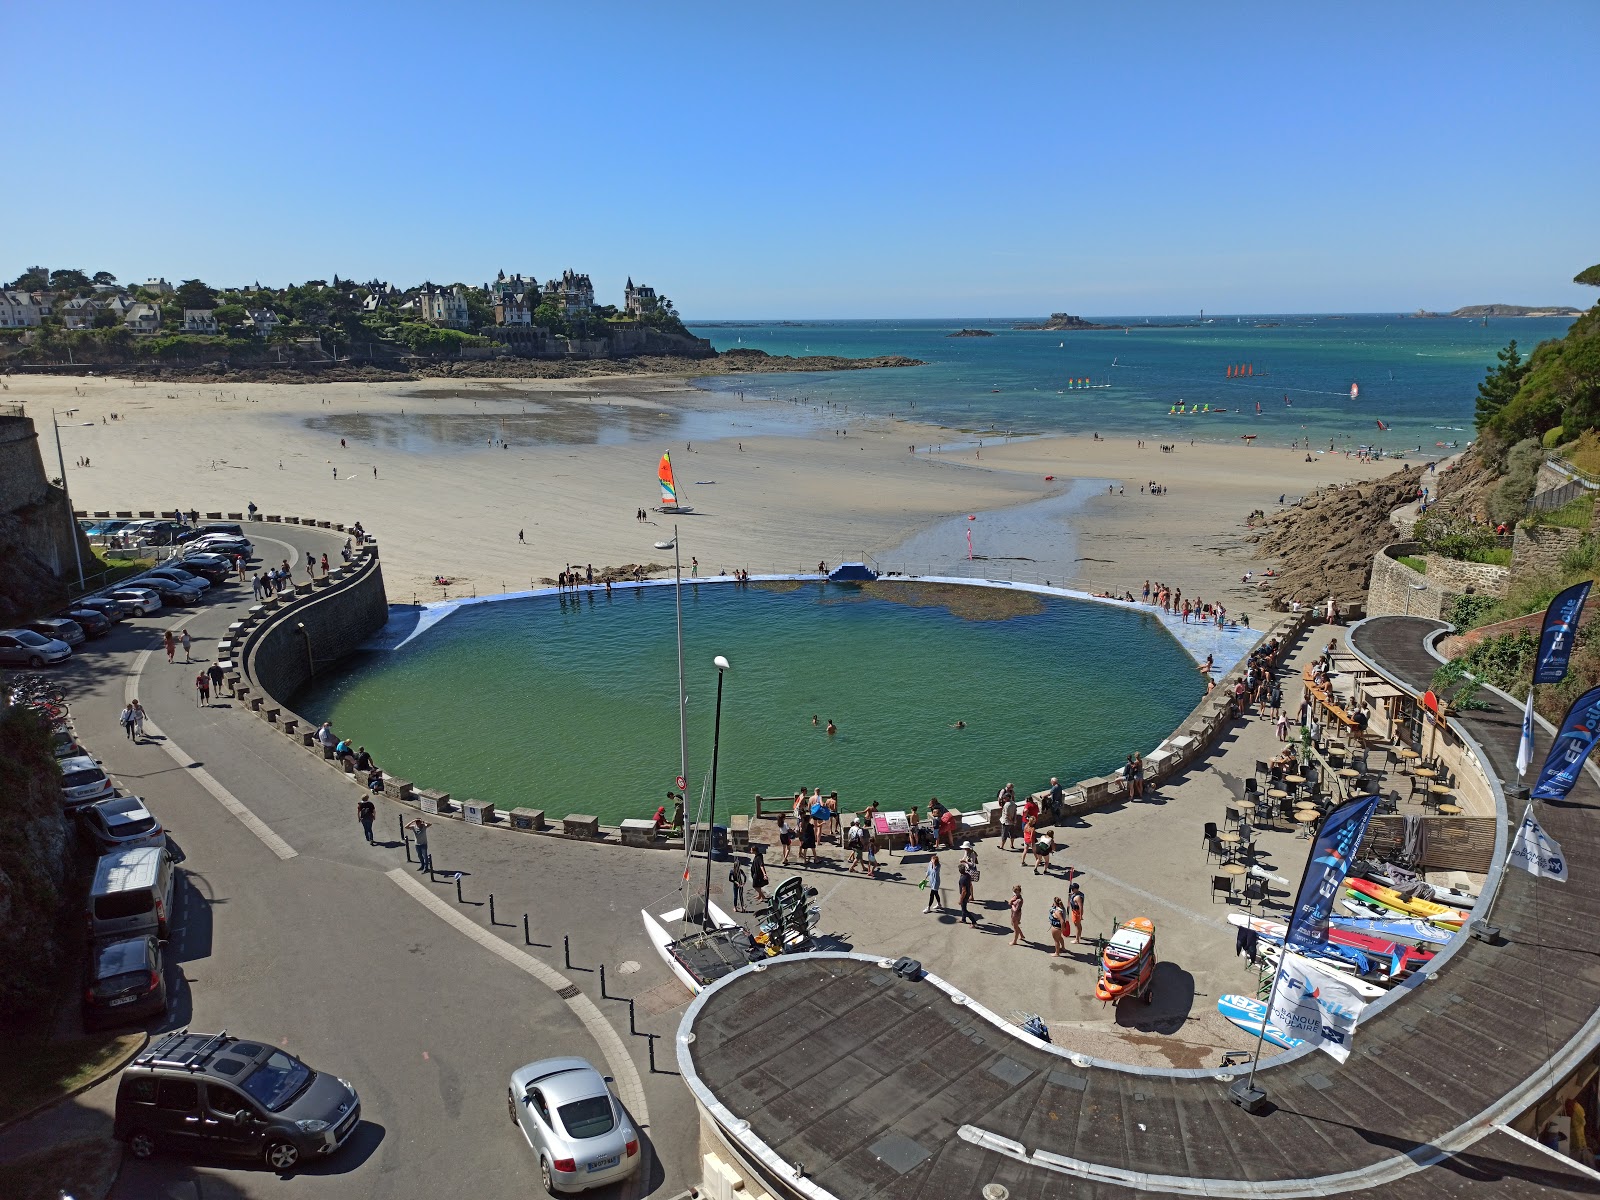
35 661
511 1105
141 1144
282 1156
545 1177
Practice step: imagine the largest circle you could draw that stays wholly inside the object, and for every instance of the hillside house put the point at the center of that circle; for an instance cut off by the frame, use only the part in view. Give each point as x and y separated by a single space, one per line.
142 318
514 310
199 320
18 310
442 306
80 312
261 321
639 300
572 293
159 286
506 286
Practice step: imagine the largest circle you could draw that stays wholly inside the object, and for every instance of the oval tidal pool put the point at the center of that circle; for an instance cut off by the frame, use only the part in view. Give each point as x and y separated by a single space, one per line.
569 704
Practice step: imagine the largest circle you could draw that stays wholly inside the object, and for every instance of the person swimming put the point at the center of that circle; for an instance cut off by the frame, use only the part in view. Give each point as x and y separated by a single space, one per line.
832 728
959 725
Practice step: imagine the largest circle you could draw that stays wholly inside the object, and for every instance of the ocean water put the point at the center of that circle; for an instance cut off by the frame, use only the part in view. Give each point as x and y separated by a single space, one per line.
1417 376
570 705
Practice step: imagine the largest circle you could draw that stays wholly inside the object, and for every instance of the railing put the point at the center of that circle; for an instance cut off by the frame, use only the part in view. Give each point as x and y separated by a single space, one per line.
1560 463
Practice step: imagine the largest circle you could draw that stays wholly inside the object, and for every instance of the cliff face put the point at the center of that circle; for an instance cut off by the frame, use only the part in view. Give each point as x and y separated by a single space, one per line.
36 527
33 864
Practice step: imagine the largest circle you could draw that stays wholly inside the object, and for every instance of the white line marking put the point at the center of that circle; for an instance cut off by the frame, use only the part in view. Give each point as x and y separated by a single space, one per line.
1571 1163
200 775
629 1085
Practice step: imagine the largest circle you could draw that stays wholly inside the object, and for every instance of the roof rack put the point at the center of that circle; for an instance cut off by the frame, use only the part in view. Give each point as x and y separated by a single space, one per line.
192 1061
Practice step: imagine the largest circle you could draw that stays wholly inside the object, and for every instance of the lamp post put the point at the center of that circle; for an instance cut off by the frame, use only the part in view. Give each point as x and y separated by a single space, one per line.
716 742
683 696
1413 587
61 461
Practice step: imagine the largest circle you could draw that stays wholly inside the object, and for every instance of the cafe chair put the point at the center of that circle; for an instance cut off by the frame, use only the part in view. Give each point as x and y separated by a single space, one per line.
1224 885
1209 832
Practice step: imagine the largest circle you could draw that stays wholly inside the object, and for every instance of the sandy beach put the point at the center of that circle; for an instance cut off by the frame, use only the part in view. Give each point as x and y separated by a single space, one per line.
775 485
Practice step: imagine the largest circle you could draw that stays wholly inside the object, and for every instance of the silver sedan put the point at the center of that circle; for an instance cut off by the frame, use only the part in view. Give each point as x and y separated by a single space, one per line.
579 1131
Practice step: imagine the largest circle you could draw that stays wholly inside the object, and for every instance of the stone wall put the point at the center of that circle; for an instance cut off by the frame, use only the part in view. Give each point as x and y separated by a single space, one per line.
1397 590
313 635
36 527
1540 548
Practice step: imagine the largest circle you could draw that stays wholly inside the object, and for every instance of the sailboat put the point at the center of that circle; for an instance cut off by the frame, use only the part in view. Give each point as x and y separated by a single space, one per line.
669 488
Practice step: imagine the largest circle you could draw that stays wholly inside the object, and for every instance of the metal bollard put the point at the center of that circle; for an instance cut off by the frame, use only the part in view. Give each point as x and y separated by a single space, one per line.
492 921
404 840
459 900
603 995
632 1028
566 950
526 940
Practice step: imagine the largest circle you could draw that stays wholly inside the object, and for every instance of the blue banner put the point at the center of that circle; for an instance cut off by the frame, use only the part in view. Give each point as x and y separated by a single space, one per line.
1559 632
1331 856
1579 729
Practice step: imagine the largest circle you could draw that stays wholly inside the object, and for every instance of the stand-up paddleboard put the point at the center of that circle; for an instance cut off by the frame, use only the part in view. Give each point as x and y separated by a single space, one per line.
1439 914
1401 957
1328 966
1249 1015
1389 925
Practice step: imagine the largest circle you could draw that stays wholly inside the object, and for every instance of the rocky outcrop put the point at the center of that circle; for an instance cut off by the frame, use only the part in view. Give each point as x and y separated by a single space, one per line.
741 361
1515 310
971 333
1324 545
1065 321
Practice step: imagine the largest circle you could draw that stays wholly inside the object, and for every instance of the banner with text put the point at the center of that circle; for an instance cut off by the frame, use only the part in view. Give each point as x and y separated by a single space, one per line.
1579 729
1331 856
1316 1006
1559 632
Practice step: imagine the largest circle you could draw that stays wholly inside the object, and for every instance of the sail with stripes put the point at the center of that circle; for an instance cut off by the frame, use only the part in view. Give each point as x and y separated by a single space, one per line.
669 488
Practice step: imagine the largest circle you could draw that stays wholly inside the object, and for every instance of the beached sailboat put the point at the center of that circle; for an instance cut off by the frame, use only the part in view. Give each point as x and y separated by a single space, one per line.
669 488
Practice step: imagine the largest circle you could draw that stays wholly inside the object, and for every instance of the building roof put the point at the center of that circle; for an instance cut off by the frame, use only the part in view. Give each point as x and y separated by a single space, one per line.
879 1087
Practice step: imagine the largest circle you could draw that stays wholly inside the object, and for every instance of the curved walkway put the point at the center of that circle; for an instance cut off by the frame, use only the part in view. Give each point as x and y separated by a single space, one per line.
902 1075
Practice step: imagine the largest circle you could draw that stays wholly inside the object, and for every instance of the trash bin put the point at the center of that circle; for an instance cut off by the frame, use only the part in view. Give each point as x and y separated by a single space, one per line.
719 843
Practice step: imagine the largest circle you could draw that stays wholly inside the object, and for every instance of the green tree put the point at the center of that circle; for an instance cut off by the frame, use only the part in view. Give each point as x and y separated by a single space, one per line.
230 317
1500 384
106 318
68 280
1589 275
31 280
192 293
104 277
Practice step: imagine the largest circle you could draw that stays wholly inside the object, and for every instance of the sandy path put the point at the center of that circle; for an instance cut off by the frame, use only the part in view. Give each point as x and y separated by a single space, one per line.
787 490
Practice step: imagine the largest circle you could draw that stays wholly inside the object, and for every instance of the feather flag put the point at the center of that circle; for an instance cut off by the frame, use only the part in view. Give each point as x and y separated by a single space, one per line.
1525 746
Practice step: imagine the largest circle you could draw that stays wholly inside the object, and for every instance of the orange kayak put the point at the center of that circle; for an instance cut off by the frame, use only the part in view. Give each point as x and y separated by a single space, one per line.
1128 963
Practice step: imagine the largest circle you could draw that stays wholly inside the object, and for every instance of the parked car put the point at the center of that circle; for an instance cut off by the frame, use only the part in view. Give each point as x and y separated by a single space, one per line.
25 648
576 1127
224 544
178 575
122 821
93 622
104 526
65 743
126 980
170 590
83 781
157 532
108 608
216 1094
211 529
132 893
62 629
137 601
214 567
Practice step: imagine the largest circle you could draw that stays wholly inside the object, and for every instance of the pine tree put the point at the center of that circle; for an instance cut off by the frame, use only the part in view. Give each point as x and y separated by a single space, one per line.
1500 384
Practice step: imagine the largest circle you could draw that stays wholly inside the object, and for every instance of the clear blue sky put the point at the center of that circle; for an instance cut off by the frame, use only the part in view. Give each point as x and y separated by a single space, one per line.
821 160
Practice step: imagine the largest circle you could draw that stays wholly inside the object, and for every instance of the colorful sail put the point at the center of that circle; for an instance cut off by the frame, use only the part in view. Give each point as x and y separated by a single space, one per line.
669 490
1381 425
1355 391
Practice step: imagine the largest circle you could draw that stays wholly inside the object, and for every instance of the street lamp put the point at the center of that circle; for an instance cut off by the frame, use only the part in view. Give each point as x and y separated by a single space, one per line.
683 696
72 521
1413 587
716 741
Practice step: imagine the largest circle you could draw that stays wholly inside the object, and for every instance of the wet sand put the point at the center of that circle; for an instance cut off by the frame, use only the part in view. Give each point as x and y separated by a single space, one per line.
773 486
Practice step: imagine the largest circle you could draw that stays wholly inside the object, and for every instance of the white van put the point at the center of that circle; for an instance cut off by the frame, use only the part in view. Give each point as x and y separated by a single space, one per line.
132 893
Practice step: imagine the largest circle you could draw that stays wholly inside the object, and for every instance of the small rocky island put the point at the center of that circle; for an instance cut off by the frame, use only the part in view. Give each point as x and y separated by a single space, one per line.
1480 311
971 333
1065 321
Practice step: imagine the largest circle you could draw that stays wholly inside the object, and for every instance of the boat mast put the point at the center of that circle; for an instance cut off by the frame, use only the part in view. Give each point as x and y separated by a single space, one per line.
683 696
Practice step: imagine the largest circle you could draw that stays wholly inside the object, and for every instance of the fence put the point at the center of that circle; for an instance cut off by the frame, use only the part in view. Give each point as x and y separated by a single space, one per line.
1557 496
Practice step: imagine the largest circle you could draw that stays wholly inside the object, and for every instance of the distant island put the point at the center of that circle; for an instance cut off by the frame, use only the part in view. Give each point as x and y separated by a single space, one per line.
1503 310
1065 321
971 333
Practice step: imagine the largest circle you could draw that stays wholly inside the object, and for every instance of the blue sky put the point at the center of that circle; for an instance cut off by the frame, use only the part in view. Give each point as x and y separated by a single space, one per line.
821 160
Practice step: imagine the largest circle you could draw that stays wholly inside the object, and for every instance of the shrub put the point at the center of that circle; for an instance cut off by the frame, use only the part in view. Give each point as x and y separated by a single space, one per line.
1507 502
1451 535
1552 437
1471 609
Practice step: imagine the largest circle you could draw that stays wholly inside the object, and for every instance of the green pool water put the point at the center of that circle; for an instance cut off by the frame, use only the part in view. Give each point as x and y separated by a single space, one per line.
569 704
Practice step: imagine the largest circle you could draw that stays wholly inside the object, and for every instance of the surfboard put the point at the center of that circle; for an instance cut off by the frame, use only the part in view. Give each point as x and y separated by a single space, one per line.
1369 920
1249 1015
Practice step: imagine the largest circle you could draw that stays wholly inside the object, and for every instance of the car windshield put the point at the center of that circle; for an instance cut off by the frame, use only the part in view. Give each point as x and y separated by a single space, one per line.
588 1118
29 638
278 1079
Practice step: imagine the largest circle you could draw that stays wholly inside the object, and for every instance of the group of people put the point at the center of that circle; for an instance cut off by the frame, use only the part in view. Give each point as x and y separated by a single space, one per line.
206 681
1170 599
356 758
1066 916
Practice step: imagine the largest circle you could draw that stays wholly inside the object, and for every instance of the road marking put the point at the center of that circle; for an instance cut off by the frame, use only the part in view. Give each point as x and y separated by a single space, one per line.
203 777
629 1086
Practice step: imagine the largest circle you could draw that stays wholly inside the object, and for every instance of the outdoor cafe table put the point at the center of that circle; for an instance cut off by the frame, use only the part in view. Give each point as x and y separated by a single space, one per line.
1349 773
1439 789
1228 839
1235 869
1426 772
1292 779
1449 810
1277 794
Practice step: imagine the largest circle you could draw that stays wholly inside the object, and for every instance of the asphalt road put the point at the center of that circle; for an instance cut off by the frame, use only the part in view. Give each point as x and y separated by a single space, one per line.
326 954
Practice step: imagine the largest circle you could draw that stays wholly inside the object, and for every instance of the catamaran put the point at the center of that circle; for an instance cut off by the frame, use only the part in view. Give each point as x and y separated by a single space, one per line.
669 488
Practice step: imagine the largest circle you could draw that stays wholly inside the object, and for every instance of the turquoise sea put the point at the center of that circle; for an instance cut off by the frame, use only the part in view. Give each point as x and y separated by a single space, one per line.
570 704
1417 375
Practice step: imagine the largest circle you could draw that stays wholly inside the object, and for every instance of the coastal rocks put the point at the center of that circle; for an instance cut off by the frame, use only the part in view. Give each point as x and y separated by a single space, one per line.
971 333
741 361
1324 545
1065 321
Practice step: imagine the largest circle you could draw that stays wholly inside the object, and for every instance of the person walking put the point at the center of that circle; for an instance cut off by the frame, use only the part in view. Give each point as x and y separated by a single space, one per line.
1016 915
172 644
419 832
214 673
856 839
935 900
1043 848
126 720
785 836
138 721
758 871
964 892
202 687
324 566
736 877
1058 926
187 642
1075 908
366 813
1030 832
1008 820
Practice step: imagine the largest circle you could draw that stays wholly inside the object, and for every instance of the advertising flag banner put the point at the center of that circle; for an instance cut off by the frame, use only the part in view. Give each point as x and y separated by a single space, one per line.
1525 746
1316 1007
1579 728
1331 855
1560 629
1536 852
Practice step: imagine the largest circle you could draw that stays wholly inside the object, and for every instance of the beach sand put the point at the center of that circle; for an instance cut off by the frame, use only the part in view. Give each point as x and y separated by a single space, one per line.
774 487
